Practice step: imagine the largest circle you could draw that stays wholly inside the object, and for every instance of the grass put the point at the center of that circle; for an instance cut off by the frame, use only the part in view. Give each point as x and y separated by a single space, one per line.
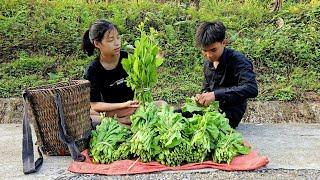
40 42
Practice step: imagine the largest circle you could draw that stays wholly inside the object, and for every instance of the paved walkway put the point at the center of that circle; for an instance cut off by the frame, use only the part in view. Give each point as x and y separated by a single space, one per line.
289 146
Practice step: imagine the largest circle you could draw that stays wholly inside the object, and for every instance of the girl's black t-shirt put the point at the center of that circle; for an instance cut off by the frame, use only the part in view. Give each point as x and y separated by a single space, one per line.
108 85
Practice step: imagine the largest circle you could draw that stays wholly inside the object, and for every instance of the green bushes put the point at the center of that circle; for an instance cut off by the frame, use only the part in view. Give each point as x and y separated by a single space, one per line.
38 38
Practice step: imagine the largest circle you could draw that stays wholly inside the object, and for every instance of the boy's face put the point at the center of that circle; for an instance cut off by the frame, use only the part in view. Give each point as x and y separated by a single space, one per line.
214 51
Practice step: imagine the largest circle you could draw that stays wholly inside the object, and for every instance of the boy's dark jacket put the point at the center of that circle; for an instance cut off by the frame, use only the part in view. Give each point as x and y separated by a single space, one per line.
233 82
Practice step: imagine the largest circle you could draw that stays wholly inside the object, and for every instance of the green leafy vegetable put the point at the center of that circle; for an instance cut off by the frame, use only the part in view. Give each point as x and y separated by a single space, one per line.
191 106
106 142
142 65
229 146
144 143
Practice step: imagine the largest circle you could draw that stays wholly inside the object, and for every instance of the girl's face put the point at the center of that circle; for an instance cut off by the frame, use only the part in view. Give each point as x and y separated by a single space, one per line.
110 43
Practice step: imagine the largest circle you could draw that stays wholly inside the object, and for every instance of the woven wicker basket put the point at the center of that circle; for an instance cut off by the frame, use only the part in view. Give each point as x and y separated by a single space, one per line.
75 97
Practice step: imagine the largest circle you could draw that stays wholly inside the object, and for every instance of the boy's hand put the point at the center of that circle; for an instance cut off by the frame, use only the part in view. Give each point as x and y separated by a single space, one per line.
205 99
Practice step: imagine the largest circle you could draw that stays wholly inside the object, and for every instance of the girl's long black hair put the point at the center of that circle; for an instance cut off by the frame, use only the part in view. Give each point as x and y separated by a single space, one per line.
95 33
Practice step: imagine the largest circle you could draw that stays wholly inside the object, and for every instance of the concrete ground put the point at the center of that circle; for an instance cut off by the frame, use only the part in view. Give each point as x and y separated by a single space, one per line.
293 151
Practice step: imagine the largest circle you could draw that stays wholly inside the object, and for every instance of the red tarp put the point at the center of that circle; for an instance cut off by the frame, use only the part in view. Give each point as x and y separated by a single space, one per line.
251 161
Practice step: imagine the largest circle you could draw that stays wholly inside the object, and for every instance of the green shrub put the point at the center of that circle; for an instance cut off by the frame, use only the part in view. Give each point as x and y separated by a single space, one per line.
40 42
28 65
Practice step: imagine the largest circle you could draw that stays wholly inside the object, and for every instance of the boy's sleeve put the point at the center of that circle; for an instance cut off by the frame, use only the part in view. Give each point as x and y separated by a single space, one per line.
206 82
205 85
247 85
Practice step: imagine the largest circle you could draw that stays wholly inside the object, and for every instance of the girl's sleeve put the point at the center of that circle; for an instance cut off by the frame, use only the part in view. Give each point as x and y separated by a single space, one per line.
95 92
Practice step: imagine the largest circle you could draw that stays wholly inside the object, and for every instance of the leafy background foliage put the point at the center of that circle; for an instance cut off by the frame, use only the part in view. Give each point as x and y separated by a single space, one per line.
40 42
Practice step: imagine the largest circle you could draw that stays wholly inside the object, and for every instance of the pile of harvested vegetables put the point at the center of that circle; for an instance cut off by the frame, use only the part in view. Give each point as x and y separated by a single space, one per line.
165 136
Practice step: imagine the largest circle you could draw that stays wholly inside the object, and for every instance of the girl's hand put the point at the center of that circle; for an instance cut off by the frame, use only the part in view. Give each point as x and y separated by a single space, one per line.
131 104
125 121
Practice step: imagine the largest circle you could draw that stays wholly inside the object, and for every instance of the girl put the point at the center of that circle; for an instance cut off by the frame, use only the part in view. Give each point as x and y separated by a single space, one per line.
108 90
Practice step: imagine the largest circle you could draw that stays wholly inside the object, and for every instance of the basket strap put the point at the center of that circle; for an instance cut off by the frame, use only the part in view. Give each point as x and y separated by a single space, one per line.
86 136
29 166
68 140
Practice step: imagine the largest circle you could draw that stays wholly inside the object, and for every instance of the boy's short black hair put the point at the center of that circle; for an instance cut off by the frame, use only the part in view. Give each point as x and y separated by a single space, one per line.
209 33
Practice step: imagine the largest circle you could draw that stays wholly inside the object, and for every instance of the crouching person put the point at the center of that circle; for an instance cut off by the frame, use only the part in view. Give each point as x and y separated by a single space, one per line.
228 74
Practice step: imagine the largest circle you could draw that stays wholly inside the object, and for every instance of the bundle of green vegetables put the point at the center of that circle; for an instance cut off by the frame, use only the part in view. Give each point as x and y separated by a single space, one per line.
173 141
213 130
110 142
142 65
143 142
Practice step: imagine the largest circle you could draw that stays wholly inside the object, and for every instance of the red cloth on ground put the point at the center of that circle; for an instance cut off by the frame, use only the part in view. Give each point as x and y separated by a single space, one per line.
251 161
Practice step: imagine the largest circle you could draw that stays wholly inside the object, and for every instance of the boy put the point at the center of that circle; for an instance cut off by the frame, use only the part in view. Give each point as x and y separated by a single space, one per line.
229 76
